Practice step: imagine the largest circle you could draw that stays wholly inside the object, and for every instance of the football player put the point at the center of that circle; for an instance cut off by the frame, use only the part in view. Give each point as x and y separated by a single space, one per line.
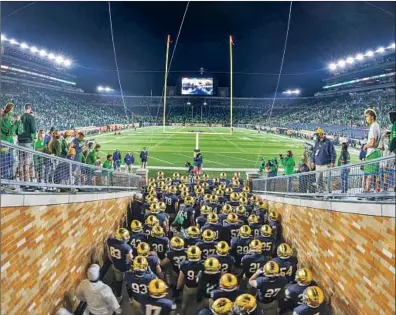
150 222
208 280
159 243
213 225
120 254
193 234
222 254
231 227
172 261
214 183
313 299
268 241
246 304
227 194
254 224
162 216
273 221
223 178
208 244
175 179
236 185
234 199
221 306
228 289
225 211
287 263
215 204
243 201
135 209
171 201
268 283
242 215
252 261
137 279
156 301
240 246
293 293
137 236
143 249
188 212
189 270
201 220
261 211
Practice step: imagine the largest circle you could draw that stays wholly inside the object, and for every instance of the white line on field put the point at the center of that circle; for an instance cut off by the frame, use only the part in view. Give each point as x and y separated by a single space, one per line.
235 158
234 144
183 155
152 157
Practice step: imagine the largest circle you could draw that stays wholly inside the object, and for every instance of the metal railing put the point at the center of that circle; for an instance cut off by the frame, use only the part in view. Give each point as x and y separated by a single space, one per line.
374 178
26 168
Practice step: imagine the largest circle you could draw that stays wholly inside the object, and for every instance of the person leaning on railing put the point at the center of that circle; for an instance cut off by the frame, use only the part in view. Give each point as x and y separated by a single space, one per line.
343 160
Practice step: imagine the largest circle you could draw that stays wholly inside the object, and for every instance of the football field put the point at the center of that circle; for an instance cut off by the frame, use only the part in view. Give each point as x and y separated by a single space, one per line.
242 150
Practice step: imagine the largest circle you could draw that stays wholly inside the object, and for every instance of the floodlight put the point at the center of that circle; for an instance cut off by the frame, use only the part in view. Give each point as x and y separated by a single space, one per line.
107 89
188 103
24 46
350 60
13 42
3 38
204 103
341 63
67 62
380 50
359 57
51 56
58 59
33 49
332 66
393 45
43 53
370 53
297 91
100 88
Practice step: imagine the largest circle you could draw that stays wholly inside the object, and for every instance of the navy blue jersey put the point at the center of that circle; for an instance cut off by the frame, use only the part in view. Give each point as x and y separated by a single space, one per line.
255 227
176 182
162 218
237 189
207 282
189 241
190 270
160 245
205 311
232 229
262 215
188 214
171 202
276 229
135 211
201 220
217 228
231 295
239 248
152 306
249 209
138 282
268 245
287 267
224 181
243 220
269 288
216 207
147 229
175 258
293 296
226 262
233 203
251 263
135 239
153 262
222 217
304 309
207 248
118 252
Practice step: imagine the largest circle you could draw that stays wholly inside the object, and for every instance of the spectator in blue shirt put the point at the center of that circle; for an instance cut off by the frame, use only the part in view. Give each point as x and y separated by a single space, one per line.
143 157
129 160
117 159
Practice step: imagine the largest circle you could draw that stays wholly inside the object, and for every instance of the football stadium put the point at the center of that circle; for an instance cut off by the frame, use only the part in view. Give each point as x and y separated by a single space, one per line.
259 181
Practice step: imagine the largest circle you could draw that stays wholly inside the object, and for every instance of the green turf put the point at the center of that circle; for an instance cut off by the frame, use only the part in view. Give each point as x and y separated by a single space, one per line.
243 149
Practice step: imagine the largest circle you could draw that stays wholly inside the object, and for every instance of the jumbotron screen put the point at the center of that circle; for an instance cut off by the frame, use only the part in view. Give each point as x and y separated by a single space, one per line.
197 86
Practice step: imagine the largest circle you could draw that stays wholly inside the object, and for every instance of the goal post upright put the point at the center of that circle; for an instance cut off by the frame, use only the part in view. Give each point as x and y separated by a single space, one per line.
231 83
165 82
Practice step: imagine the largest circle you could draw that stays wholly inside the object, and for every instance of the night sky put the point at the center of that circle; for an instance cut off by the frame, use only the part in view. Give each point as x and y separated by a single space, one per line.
319 32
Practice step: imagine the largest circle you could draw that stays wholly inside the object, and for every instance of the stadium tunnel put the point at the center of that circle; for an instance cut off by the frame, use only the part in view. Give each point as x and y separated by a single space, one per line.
349 247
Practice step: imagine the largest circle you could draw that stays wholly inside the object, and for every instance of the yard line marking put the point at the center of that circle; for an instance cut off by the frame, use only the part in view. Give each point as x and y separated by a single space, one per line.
183 155
235 158
234 144
152 157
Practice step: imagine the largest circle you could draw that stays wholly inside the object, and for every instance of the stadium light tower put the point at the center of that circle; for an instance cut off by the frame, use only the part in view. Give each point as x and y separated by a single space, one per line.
24 46
3 38
292 92
104 89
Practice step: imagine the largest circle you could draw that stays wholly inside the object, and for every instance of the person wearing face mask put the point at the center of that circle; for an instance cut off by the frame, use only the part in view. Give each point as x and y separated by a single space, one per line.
303 179
323 158
289 164
343 160
372 149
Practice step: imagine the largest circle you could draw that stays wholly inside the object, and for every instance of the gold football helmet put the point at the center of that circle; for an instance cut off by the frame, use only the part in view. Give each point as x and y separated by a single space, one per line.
176 243
235 182
160 173
184 194
222 306
152 220
222 248
193 232
223 175
271 269
206 210
214 199
253 219
215 180
243 195
232 218
205 177
168 180
246 189
243 201
228 191
197 178
136 226
207 197
200 192
151 180
226 209
212 265
212 218
245 304
140 263
176 175
234 196
255 246
189 201
273 215
228 281
193 253
266 230
161 206
222 186
261 204
303 276
245 231
254 199
219 193
241 211
122 235
205 186
152 199
143 249
172 189
157 288
164 188
284 251
153 208
184 179
313 296
208 236
157 231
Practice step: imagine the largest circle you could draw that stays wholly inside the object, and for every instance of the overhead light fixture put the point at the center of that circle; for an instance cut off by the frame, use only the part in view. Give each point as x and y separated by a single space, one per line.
359 57
24 46
350 60
332 66
33 49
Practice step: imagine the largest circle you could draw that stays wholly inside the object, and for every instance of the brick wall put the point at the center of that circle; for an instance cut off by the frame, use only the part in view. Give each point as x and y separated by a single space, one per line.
352 255
45 251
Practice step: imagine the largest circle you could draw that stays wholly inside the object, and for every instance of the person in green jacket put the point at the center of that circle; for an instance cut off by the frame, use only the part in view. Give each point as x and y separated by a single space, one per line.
392 136
288 164
108 164
262 167
39 146
91 160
